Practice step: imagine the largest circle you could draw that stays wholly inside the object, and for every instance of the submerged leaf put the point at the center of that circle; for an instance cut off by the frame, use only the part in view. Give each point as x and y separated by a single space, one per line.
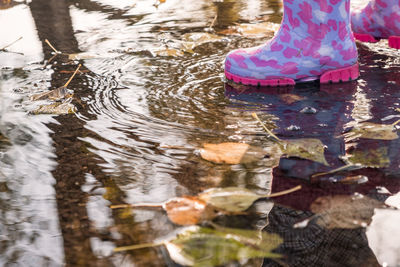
307 148
199 246
372 158
369 130
207 205
188 210
343 211
235 199
291 98
56 94
56 109
231 153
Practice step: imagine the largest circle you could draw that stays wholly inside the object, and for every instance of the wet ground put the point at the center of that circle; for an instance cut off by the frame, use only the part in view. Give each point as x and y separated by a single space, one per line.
150 93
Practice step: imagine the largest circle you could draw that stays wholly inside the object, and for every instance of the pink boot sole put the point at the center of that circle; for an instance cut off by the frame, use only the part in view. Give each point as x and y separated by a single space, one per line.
394 41
333 76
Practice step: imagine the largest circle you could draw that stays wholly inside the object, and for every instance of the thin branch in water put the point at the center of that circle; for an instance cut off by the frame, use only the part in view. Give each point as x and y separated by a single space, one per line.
286 192
213 22
73 75
397 122
265 127
51 59
343 168
140 246
52 47
11 43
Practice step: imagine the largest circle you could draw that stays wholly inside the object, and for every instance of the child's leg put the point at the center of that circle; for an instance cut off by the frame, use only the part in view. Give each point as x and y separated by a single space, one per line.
314 42
379 19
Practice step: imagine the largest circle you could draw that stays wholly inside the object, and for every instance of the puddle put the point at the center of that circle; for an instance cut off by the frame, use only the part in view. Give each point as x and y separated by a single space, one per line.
149 95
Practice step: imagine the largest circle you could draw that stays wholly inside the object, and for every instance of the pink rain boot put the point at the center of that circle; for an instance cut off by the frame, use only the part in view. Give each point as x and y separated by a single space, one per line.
380 19
314 42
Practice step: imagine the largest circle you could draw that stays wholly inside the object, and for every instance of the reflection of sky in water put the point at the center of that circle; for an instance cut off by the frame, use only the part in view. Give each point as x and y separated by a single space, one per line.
28 222
17 21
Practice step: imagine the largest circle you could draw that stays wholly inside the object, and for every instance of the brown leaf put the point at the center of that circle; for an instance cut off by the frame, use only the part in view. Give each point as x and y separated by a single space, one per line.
252 30
169 52
306 148
188 210
369 130
291 98
367 157
56 109
231 153
344 211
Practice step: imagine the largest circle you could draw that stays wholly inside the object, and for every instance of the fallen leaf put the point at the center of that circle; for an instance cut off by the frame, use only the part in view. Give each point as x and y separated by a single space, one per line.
200 246
56 94
291 98
343 211
207 205
5 4
58 108
235 199
168 52
372 158
208 247
307 148
252 30
369 130
189 210
231 153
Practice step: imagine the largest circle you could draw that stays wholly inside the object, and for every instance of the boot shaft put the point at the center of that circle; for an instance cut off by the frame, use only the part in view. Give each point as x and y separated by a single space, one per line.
317 18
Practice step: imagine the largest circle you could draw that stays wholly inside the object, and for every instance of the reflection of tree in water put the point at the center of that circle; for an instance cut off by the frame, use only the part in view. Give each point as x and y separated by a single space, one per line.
74 160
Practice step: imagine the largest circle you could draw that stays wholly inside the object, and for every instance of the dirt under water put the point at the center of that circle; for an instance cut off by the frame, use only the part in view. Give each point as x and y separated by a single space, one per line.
150 93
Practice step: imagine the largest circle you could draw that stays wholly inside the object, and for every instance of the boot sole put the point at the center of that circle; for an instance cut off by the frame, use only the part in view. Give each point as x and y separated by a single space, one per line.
394 41
333 76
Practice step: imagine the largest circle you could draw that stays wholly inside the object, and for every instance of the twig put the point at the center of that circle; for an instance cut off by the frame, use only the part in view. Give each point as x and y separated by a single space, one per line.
11 43
278 194
265 127
345 167
73 75
397 122
140 246
52 47
213 22
137 206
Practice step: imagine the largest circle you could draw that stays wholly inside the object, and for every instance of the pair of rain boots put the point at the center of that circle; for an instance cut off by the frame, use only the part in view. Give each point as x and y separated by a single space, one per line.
315 42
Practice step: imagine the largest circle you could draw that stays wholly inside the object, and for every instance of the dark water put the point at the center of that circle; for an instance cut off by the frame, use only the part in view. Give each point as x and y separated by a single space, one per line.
140 119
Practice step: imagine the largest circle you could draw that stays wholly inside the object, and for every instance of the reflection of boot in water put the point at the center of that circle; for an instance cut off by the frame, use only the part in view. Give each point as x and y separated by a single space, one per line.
379 19
314 244
314 42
